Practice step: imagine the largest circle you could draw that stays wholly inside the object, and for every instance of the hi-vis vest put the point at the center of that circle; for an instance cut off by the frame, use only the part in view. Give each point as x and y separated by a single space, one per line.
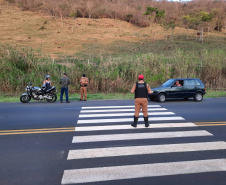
141 90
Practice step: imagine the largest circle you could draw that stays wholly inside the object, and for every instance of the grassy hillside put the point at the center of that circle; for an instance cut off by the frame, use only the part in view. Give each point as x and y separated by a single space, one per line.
110 52
54 37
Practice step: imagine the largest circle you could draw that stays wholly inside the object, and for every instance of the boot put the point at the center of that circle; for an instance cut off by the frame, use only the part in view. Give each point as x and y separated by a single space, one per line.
146 121
134 124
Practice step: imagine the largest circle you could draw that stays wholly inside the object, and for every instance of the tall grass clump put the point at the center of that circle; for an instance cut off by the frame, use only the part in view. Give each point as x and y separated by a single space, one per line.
111 74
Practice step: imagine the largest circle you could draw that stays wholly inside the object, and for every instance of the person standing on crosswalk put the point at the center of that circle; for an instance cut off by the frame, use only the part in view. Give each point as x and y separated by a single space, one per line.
141 89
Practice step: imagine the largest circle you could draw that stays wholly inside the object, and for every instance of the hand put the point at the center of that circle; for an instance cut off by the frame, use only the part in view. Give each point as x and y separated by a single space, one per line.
150 92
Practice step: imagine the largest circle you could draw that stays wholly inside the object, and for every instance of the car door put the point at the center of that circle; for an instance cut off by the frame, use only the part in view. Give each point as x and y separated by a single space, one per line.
189 88
177 91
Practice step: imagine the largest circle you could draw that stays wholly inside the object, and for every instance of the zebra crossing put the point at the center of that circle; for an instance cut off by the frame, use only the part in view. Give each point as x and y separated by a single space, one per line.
100 129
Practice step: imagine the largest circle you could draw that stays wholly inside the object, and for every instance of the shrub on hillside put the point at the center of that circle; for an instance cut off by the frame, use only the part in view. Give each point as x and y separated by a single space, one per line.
131 11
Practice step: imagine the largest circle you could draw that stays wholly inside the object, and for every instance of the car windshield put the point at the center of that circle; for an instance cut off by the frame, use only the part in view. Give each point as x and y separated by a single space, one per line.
168 82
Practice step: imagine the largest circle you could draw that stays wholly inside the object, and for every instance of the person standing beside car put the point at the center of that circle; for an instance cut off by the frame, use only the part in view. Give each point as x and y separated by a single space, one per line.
83 87
141 89
64 82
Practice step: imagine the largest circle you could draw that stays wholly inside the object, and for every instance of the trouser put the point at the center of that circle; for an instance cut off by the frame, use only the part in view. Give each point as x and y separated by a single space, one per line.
83 92
64 89
141 102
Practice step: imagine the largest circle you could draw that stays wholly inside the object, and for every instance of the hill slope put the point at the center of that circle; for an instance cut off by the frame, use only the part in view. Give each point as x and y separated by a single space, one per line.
56 37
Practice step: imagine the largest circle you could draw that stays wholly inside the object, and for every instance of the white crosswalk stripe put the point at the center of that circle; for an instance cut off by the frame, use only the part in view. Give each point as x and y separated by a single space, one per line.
107 107
120 110
144 170
122 127
93 119
121 114
117 137
138 150
128 120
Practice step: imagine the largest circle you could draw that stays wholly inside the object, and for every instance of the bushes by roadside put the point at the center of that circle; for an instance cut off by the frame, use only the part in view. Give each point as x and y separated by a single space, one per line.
111 74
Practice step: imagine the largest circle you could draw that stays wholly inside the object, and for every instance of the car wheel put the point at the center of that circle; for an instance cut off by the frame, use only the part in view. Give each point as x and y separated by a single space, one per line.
198 96
161 97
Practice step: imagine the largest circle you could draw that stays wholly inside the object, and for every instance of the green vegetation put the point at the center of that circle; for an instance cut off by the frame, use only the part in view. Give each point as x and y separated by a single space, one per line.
159 14
101 96
215 94
75 97
158 47
111 53
115 74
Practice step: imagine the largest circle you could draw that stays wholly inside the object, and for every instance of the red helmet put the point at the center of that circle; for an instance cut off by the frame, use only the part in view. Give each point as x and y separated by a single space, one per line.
140 77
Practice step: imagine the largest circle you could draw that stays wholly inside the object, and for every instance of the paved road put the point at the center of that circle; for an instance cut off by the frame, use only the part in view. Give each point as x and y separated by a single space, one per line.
186 143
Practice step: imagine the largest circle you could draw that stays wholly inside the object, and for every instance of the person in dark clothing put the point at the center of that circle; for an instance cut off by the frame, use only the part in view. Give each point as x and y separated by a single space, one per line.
141 89
47 82
64 82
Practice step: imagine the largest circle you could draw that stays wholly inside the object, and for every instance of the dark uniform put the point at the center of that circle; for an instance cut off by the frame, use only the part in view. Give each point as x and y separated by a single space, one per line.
141 89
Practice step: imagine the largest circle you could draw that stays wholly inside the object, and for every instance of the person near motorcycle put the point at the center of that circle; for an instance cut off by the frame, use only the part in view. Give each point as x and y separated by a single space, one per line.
47 82
83 87
64 82
141 89
38 93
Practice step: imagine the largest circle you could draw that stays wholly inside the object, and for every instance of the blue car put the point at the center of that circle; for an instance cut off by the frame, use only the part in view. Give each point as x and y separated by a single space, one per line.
179 88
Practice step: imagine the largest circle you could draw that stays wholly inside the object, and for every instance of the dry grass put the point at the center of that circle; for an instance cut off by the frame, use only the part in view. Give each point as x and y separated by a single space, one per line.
116 52
56 37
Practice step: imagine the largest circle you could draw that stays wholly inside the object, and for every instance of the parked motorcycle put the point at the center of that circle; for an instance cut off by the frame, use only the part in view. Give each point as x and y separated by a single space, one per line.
38 93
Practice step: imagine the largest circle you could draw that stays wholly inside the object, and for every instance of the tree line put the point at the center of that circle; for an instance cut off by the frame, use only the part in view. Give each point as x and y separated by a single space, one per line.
205 15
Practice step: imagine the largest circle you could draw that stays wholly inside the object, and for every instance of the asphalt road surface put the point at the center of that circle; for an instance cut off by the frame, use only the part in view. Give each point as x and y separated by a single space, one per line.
93 143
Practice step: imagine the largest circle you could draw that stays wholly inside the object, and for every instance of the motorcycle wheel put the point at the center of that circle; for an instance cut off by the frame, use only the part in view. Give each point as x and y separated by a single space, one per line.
25 98
52 97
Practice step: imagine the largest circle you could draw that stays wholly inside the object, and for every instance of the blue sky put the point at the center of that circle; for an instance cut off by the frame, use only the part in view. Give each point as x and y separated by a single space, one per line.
179 0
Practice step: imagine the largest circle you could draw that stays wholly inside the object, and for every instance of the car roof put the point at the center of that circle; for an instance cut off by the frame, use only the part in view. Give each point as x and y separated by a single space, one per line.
183 78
